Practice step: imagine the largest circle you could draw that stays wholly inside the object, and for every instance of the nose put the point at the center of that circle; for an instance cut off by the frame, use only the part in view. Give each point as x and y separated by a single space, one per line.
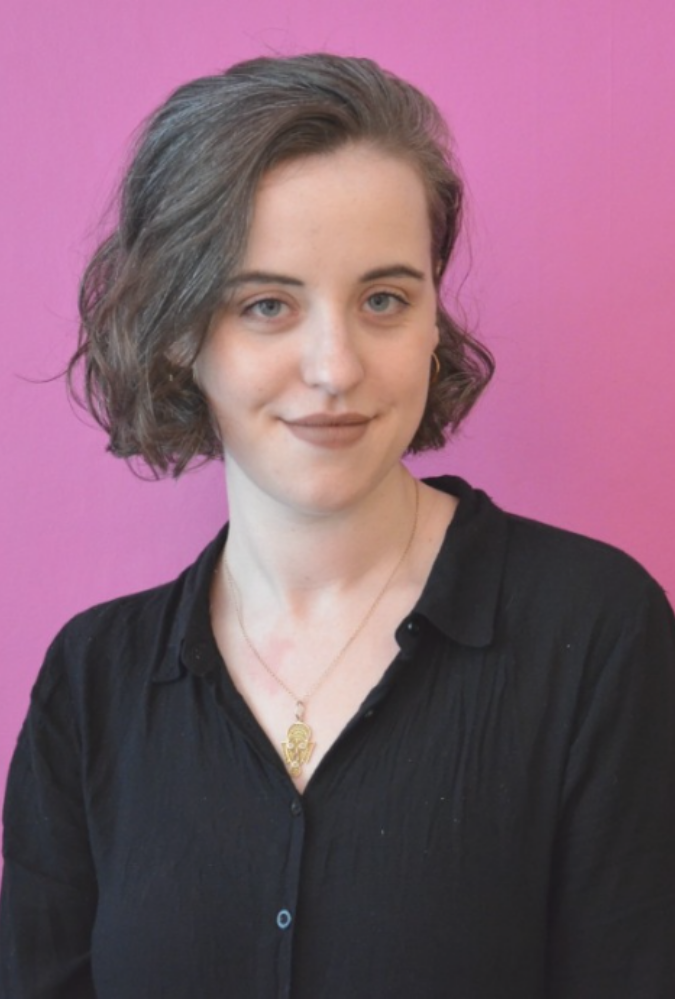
332 360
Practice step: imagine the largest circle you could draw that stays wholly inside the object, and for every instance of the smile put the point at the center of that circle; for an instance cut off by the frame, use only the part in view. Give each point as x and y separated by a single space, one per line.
329 430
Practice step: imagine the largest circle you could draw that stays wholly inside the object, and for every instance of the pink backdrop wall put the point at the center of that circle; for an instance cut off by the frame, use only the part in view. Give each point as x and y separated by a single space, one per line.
563 114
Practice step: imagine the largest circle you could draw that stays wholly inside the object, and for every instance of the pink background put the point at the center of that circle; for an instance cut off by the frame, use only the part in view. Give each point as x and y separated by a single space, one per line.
563 114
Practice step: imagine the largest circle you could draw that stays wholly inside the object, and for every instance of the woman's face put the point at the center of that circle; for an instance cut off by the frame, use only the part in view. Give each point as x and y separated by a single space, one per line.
317 369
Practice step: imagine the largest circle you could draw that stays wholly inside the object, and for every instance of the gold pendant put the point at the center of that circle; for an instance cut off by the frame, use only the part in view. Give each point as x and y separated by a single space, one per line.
298 746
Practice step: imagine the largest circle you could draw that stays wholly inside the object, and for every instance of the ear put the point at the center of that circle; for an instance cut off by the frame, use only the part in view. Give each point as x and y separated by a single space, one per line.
181 354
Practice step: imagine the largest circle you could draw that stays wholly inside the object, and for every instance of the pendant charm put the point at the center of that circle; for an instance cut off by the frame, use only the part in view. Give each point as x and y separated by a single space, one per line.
298 746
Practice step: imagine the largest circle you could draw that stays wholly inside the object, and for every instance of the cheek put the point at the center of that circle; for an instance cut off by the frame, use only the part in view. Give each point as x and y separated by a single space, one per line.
417 370
217 375
238 393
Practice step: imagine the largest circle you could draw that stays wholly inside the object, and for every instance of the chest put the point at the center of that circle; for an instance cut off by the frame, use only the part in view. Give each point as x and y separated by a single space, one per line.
416 850
304 691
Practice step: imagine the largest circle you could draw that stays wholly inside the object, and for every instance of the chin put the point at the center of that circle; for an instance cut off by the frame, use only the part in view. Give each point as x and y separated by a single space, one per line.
323 495
321 501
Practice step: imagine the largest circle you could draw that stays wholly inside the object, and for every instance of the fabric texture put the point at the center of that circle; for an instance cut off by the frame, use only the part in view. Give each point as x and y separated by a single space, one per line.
497 820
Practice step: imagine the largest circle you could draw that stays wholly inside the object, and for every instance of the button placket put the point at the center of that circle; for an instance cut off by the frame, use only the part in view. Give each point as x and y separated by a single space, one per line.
284 918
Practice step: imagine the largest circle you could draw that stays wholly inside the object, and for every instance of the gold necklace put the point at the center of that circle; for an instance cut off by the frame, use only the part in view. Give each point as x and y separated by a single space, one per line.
298 747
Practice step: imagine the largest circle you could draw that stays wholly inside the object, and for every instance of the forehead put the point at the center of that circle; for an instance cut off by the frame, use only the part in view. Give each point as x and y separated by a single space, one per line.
356 194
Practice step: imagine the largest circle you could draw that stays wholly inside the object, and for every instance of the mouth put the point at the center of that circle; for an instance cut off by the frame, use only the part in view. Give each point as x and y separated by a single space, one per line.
330 430
330 420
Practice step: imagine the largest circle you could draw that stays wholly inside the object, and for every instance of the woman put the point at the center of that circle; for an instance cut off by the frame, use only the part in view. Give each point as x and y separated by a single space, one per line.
381 739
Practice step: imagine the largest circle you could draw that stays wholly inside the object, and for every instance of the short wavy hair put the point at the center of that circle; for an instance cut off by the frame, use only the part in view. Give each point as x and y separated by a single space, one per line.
152 287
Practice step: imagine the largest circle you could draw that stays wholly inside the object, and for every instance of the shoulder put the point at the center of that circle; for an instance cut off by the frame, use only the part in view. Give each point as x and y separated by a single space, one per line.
569 573
133 637
566 561
593 594
536 578
552 558
123 618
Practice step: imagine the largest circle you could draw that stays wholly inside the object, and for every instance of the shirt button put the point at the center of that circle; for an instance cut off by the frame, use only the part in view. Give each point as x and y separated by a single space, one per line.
412 626
296 808
198 652
369 713
284 919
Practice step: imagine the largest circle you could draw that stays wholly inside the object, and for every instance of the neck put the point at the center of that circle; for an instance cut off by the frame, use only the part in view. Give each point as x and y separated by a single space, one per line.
293 557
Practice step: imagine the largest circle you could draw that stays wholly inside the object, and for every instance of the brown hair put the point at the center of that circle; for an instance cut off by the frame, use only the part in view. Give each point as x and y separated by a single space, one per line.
152 287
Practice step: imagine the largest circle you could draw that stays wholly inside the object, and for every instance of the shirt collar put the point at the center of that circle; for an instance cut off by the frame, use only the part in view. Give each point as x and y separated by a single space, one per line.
191 643
459 599
462 592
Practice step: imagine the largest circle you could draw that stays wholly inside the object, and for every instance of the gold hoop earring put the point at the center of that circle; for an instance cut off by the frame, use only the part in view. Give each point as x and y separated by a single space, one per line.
435 374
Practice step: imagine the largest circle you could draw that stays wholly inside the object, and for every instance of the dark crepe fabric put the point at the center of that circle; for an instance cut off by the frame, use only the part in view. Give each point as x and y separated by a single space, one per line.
497 821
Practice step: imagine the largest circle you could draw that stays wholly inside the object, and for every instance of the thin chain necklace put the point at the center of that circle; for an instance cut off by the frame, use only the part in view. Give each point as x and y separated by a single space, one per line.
298 747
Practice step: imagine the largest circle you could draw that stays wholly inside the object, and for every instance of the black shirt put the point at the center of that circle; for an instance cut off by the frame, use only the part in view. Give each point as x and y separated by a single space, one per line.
496 822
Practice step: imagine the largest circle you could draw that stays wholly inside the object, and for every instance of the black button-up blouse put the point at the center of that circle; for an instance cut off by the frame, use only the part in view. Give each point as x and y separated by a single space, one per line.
496 822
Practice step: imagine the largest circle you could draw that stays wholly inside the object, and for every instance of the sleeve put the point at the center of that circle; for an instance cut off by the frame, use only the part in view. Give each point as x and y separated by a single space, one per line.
48 897
612 917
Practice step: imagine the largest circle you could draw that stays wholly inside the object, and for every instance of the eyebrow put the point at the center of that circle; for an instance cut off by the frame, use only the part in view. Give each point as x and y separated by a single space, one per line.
261 277
393 271
269 277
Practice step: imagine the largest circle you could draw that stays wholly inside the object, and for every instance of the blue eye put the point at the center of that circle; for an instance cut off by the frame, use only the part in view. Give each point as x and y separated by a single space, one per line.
267 308
384 302
380 301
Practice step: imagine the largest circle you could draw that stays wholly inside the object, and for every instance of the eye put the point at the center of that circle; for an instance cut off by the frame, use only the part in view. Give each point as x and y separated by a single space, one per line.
266 308
385 302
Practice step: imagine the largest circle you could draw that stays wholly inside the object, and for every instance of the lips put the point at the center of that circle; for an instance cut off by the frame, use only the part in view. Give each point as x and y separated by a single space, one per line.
329 429
330 420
